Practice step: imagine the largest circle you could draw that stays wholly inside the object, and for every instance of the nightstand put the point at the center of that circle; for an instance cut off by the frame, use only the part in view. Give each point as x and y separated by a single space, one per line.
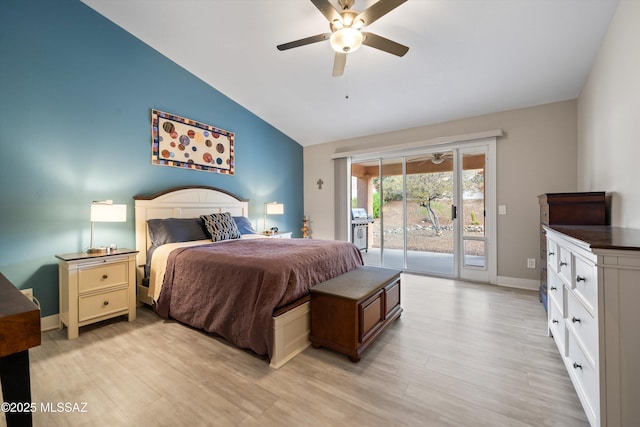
96 287
281 235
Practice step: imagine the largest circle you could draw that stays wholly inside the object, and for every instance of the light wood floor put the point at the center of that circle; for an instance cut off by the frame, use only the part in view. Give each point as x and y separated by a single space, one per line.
461 355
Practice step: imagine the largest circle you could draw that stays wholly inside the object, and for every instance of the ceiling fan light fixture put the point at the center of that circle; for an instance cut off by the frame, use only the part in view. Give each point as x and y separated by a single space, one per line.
358 23
346 40
437 159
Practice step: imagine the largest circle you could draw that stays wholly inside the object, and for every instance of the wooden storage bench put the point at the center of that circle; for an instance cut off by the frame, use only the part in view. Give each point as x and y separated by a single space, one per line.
348 312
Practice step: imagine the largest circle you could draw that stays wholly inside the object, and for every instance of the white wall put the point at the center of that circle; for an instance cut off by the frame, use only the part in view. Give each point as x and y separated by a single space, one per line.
609 118
537 154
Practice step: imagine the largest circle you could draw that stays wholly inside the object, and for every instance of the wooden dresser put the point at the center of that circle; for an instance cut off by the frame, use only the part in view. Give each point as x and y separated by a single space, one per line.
19 331
567 209
593 316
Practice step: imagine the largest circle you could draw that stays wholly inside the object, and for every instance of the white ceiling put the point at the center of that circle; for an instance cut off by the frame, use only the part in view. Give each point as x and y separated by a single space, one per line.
466 58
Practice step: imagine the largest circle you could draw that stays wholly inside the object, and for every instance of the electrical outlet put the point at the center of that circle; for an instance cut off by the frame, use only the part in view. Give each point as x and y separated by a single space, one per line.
28 293
531 263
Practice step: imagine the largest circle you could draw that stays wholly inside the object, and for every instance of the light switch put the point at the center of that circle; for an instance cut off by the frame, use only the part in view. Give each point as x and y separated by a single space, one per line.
502 209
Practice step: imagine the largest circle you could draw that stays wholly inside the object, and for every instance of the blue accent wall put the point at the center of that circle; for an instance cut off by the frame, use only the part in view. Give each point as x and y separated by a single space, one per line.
76 93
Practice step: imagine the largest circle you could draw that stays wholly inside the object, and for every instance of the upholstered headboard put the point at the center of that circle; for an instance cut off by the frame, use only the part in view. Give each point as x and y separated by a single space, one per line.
181 202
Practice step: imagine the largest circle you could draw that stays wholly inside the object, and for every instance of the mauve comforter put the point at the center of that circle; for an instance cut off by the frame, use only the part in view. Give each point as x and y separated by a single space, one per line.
231 288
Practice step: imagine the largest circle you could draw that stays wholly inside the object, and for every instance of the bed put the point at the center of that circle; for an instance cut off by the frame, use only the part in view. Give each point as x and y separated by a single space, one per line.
252 290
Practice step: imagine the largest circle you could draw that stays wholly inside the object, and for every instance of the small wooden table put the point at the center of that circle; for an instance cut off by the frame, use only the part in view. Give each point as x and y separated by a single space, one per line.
19 331
348 312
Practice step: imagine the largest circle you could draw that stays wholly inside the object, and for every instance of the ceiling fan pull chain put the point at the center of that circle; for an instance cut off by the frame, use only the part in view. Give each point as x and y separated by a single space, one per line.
346 88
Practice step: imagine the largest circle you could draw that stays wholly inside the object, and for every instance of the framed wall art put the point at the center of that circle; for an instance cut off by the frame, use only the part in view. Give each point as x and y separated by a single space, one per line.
185 143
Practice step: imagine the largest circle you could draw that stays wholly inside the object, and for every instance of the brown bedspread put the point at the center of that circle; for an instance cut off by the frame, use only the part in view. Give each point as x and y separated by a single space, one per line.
231 288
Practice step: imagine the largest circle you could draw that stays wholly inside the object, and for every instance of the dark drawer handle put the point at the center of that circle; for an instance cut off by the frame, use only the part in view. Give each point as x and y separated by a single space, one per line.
553 288
552 253
105 303
562 263
577 365
105 276
554 321
581 279
574 319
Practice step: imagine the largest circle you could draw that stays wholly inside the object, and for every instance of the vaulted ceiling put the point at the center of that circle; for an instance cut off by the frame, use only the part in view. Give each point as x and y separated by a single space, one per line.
466 58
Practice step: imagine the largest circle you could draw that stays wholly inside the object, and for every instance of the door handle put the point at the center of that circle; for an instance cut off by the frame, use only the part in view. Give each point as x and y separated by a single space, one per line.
454 212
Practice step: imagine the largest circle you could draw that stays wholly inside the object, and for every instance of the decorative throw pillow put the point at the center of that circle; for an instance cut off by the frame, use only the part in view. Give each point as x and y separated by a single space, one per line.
172 230
244 225
221 226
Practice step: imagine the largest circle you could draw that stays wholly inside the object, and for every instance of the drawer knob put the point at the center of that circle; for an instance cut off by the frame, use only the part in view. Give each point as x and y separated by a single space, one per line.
105 303
574 319
577 365
562 263
581 279
552 253
553 288
554 321
105 276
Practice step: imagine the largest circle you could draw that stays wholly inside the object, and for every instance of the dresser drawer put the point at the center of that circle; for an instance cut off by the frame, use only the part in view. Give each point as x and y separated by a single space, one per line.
557 327
102 276
586 283
102 304
583 325
585 378
544 214
555 290
564 264
552 255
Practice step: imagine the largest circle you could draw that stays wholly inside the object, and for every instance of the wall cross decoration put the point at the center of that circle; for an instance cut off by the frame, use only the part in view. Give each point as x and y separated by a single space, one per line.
320 182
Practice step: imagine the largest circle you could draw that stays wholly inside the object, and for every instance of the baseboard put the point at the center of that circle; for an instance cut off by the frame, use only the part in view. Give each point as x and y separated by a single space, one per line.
49 323
516 282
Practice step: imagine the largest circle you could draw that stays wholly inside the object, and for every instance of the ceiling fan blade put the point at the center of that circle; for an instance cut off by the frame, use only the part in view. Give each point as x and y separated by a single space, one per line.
384 44
327 10
339 63
378 10
305 41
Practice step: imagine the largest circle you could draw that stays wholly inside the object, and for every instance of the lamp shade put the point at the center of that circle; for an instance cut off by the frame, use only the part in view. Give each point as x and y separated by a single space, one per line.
108 212
274 208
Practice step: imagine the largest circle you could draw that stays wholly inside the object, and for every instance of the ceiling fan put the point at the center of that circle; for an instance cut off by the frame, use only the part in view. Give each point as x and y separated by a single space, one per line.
346 34
435 158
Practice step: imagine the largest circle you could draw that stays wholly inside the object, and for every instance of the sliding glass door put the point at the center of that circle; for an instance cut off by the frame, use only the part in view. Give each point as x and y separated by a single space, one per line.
430 224
428 211
473 211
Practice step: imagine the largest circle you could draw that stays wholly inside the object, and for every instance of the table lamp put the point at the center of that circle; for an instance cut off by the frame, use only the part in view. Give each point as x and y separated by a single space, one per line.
105 211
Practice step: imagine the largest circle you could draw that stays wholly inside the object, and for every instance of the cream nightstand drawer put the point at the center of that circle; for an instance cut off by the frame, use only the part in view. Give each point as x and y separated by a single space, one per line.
102 304
103 276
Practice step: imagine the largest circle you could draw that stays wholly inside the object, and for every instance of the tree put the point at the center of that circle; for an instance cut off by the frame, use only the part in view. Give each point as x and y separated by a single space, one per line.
427 188
420 188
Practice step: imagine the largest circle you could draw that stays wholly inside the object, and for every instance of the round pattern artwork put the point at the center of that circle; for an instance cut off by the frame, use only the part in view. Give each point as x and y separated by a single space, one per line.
190 145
